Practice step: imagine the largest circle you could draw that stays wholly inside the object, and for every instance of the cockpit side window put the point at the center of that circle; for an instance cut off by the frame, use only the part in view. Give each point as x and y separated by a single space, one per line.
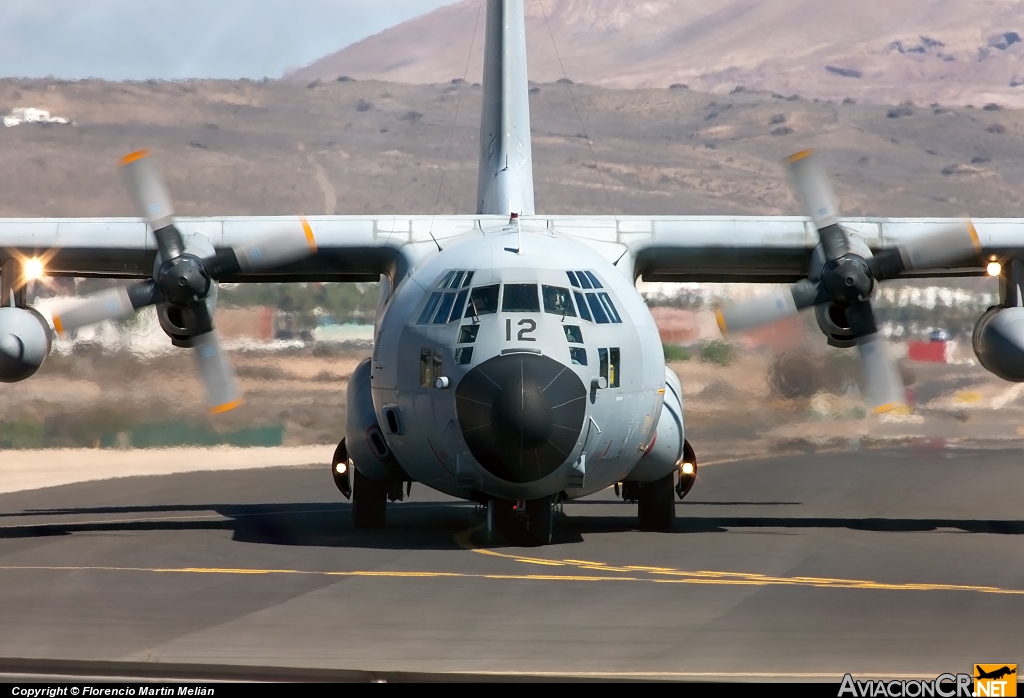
460 303
558 301
483 301
609 365
446 306
520 298
610 307
600 316
430 366
594 305
444 309
431 307
582 304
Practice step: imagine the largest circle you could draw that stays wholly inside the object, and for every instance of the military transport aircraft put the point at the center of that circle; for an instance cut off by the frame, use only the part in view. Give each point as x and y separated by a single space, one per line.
514 362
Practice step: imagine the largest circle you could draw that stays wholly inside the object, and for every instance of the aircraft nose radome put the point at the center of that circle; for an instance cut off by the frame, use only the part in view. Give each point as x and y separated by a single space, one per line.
521 415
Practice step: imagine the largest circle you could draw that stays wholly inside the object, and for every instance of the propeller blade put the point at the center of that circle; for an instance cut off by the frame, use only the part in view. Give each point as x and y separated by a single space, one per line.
942 248
819 201
770 307
274 251
113 304
216 373
883 388
153 202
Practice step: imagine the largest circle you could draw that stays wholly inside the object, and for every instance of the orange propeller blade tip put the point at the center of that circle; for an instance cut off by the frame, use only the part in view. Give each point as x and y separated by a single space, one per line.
226 407
132 157
721 322
796 157
975 240
308 230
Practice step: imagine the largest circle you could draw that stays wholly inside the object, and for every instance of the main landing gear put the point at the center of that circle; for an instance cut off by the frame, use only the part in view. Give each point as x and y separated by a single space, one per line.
369 497
529 522
656 503
369 502
654 499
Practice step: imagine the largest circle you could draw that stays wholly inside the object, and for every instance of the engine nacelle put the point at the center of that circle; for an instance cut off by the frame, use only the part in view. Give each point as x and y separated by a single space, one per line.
25 339
666 452
364 439
832 321
999 342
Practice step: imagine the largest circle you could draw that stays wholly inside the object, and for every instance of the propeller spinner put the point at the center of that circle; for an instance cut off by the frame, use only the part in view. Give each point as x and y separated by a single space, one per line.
184 280
848 279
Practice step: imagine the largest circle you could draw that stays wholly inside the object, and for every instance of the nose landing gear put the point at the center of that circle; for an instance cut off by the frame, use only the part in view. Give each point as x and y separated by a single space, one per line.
529 522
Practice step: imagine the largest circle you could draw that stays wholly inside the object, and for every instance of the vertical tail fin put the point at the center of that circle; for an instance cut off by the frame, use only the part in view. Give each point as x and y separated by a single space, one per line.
506 156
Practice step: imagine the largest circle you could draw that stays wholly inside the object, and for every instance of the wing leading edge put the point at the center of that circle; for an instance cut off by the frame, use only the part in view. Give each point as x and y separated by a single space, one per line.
350 248
655 248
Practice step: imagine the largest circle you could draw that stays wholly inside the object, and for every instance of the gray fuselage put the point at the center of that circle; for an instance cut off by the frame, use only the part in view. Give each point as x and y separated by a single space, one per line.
513 419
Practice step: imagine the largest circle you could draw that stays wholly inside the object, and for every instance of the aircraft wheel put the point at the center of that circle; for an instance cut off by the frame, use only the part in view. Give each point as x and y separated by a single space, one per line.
540 519
369 502
656 504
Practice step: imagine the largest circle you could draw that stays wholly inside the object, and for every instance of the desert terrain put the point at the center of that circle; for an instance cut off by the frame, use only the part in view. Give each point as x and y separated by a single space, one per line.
280 147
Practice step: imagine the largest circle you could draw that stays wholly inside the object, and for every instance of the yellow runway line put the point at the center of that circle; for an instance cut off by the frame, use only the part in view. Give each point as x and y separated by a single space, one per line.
668 575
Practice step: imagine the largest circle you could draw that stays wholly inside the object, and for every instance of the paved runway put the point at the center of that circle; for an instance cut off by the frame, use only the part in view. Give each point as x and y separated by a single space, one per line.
875 563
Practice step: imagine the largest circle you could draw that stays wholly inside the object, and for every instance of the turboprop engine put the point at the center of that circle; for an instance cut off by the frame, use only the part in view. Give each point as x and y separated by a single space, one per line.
999 342
25 338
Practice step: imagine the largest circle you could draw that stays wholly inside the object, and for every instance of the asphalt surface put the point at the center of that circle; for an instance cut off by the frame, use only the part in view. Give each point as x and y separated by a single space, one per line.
885 563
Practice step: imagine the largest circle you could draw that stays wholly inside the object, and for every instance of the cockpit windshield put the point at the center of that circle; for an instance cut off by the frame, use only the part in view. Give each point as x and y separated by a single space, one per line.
558 301
483 300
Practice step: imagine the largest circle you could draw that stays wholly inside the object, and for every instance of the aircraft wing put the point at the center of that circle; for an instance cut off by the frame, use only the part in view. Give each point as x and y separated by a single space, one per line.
747 249
350 248
774 249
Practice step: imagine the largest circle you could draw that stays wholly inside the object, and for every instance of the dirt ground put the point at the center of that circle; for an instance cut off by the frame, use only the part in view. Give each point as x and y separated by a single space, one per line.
730 408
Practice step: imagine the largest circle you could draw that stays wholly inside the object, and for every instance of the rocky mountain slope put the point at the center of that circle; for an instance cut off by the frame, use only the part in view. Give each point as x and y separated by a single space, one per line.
885 51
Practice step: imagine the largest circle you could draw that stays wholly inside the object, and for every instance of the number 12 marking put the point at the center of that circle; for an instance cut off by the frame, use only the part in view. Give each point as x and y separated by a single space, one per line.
527 327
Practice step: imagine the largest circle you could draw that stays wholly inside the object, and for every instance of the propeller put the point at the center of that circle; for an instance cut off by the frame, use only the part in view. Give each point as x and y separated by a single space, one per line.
184 280
847 280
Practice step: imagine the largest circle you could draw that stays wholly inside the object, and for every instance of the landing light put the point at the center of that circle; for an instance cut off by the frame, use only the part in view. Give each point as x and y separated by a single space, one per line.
33 269
994 268
340 468
687 468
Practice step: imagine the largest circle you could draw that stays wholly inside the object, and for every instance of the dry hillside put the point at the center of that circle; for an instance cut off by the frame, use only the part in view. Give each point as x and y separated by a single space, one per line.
282 147
947 51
